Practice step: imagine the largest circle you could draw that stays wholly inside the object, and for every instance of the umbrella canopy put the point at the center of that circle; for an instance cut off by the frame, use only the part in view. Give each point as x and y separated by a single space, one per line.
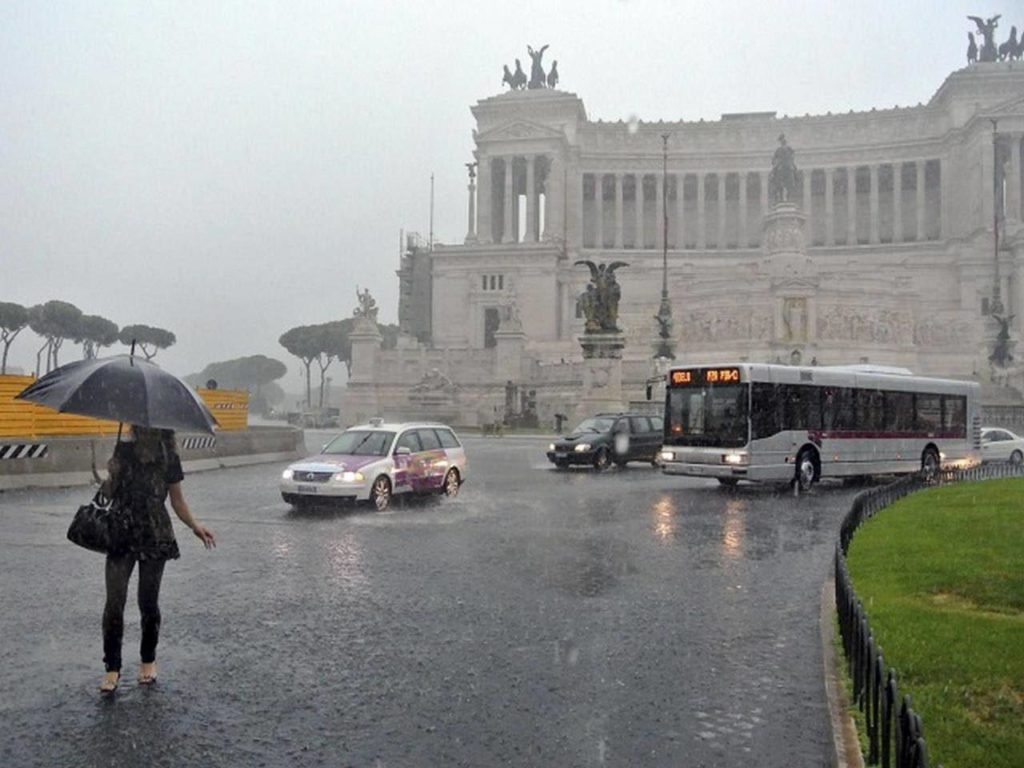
122 388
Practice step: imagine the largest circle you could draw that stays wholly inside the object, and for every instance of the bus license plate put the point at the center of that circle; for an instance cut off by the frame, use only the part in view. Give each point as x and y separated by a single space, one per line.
307 489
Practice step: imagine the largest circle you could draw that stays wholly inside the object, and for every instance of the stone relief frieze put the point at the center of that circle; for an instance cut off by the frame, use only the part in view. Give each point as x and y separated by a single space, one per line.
726 324
867 324
940 331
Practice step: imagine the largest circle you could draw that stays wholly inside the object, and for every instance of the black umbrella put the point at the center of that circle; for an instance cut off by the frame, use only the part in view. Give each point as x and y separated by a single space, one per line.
122 388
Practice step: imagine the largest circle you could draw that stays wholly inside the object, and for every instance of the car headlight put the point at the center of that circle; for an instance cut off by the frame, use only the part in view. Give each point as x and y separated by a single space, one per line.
349 477
551 446
668 456
736 459
287 474
582 447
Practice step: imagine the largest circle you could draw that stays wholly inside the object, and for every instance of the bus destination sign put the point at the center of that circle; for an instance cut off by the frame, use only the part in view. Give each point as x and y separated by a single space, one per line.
701 376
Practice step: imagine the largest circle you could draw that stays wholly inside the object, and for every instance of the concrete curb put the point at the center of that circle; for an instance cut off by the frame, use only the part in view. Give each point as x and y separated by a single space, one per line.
68 461
845 744
71 479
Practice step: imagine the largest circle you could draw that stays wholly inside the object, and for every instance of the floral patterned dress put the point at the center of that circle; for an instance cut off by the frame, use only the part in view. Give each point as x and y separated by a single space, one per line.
141 488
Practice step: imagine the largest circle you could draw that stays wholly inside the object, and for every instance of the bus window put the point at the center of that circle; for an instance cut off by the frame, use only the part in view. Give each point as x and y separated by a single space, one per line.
954 414
837 409
899 412
870 411
802 406
764 416
927 413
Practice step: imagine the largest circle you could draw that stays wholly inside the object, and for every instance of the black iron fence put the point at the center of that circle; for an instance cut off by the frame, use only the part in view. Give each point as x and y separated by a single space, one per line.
895 733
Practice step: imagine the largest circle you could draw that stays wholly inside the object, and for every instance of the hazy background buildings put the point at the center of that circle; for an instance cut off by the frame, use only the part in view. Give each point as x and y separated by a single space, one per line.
229 170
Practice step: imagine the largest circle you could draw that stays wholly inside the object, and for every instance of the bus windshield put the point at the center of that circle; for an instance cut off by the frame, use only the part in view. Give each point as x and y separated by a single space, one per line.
710 415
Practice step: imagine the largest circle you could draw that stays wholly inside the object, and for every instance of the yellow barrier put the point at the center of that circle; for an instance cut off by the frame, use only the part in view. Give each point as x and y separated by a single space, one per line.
19 418
229 406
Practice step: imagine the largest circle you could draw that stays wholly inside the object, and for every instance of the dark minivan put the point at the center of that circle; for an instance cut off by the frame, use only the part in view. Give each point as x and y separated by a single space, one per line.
609 438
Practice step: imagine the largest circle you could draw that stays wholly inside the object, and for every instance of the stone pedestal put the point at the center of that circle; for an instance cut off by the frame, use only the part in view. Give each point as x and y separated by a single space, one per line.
509 343
783 244
359 403
602 373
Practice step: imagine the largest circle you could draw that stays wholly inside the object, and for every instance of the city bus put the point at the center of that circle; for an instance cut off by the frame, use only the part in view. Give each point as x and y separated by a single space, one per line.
781 423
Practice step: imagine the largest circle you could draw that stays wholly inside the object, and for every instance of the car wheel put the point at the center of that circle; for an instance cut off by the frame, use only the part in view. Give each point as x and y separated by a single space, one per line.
621 463
805 470
601 459
1016 458
930 464
451 484
728 482
561 465
380 493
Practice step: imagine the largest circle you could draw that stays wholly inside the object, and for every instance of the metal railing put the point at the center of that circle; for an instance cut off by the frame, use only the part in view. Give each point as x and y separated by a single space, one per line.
895 732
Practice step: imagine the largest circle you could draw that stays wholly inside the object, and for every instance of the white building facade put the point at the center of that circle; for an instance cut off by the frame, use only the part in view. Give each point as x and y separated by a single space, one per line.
900 266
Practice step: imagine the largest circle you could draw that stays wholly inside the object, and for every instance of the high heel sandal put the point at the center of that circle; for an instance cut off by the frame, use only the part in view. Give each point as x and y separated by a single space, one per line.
109 684
147 678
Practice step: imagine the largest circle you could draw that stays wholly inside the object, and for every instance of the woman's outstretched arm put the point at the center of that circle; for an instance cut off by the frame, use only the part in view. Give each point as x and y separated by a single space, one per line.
180 507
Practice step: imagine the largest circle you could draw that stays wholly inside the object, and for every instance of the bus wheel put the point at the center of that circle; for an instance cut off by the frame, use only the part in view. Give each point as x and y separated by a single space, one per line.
930 464
805 470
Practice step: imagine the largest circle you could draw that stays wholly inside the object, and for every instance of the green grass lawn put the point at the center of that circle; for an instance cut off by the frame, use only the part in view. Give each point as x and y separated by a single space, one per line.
941 575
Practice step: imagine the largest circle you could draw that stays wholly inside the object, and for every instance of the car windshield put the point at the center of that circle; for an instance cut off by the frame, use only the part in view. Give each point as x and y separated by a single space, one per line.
599 424
361 442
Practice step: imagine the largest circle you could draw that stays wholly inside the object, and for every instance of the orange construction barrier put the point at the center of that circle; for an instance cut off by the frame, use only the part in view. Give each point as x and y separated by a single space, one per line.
19 418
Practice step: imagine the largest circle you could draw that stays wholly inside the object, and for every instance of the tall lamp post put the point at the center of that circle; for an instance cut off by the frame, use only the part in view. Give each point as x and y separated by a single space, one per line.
665 346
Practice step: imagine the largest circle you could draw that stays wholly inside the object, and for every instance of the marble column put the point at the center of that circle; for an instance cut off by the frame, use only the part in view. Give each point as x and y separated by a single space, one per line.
763 178
743 241
807 204
638 211
599 210
659 212
507 235
471 217
830 207
851 205
920 199
532 224
618 211
485 199
720 237
554 200
702 221
897 202
581 206
680 223
874 224
1013 185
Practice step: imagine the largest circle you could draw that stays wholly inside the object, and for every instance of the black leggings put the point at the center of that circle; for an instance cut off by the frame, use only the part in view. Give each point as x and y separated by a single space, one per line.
119 571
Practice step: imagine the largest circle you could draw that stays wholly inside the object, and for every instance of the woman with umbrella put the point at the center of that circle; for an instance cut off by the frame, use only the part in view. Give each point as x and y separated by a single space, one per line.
144 471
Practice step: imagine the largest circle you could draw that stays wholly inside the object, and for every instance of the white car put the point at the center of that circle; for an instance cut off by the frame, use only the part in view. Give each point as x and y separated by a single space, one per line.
373 462
998 444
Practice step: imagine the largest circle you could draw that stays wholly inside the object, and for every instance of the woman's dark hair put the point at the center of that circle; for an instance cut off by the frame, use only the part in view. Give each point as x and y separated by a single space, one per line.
154 445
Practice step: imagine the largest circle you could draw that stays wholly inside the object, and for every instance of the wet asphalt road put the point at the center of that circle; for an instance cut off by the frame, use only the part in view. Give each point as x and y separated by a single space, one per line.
542 618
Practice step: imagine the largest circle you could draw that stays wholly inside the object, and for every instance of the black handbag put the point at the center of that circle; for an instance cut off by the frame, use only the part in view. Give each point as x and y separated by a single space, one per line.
100 525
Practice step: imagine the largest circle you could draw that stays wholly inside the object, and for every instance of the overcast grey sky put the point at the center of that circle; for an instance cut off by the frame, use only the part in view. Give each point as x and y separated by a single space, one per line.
228 170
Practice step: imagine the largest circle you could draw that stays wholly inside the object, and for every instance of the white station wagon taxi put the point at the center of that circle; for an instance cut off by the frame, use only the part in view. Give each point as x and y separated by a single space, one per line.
373 462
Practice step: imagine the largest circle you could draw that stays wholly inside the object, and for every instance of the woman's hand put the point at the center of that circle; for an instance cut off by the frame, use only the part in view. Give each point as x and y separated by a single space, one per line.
205 535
